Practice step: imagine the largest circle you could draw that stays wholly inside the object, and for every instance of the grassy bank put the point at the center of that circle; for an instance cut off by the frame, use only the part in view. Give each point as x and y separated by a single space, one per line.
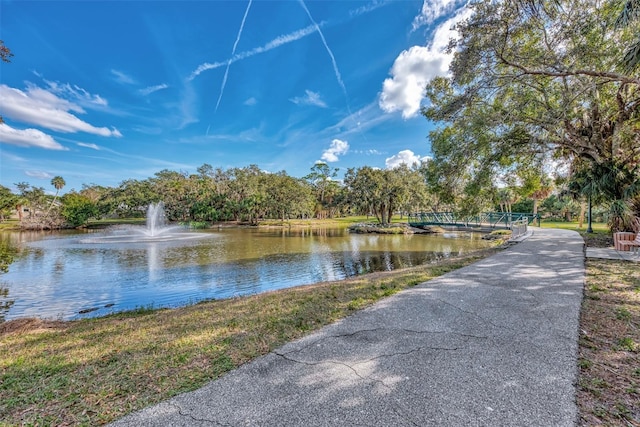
10 224
93 371
609 354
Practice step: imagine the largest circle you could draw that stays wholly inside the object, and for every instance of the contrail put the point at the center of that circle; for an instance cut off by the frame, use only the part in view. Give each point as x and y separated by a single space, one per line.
282 40
277 42
233 51
335 67
333 59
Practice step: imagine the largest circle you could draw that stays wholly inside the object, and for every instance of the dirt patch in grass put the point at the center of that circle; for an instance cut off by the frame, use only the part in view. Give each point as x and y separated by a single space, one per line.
598 239
609 353
29 324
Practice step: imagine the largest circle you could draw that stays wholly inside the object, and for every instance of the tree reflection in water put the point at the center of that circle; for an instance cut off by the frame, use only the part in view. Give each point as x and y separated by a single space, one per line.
8 252
70 275
5 303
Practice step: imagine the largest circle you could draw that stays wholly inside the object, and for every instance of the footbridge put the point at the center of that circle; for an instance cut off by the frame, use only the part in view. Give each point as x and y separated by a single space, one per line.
485 221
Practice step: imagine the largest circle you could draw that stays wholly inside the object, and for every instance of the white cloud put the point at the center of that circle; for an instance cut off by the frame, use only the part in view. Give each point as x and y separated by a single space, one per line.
4 156
370 152
122 77
76 93
311 98
87 145
43 108
411 71
149 90
187 107
414 68
362 120
38 174
47 98
406 157
432 10
251 101
336 149
28 138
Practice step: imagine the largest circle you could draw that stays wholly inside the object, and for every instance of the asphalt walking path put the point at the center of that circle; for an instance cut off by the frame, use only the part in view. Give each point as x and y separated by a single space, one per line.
491 344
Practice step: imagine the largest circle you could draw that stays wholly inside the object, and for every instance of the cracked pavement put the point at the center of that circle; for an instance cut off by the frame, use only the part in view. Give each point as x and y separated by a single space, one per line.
491 344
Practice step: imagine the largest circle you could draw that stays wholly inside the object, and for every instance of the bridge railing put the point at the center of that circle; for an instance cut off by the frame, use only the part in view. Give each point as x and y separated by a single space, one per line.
485 219
519 228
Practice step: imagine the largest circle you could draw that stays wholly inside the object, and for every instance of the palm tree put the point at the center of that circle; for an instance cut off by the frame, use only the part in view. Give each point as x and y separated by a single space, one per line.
20 202
611 184
541 193
506 198
5 54
58 182
630 12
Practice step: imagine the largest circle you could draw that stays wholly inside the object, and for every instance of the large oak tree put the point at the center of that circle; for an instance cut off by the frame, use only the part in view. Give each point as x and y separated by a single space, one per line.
534 81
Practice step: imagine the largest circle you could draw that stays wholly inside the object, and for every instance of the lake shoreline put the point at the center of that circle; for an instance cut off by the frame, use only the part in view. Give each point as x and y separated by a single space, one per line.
93 371
75 274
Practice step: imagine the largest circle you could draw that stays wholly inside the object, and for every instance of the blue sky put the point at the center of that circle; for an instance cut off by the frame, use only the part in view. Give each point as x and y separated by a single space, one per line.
103 91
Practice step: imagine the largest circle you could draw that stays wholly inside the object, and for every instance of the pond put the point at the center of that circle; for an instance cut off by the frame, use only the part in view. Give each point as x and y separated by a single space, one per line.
70 275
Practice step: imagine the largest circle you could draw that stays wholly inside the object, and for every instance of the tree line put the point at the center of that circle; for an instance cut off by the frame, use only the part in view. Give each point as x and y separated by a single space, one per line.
246 195
249 195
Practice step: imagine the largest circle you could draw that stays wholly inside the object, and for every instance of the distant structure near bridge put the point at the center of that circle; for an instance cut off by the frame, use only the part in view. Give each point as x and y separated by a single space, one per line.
517 222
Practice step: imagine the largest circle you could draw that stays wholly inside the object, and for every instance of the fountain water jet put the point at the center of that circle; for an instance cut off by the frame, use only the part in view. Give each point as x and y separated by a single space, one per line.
155 217
156 222
155 230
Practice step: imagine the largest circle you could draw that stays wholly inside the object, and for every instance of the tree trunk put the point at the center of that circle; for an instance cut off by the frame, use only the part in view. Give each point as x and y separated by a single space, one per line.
583 208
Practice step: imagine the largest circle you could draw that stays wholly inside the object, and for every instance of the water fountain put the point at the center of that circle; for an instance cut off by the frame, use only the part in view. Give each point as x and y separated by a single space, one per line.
155 230
156 221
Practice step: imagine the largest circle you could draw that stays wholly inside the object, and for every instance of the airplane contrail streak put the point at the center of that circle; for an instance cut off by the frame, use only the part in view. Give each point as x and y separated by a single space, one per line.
335 68
280 41
333 59
233 51
277 42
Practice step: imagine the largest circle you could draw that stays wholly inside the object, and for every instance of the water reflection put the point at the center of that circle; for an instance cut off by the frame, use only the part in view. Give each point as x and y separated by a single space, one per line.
59 276
5 303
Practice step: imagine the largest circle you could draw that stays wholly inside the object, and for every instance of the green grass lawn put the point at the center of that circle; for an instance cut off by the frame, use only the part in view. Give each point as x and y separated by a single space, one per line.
598 227
93 371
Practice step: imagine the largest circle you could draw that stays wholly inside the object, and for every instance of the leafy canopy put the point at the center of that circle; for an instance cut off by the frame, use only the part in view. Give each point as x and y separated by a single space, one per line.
533 83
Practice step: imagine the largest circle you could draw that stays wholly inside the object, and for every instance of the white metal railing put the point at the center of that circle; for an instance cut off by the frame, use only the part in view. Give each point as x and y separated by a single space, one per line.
519 227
